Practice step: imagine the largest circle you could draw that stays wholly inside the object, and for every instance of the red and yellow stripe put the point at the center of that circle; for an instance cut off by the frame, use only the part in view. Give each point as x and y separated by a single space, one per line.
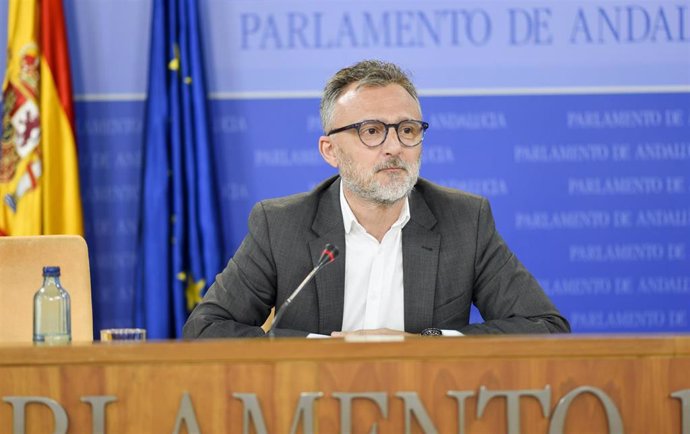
52 204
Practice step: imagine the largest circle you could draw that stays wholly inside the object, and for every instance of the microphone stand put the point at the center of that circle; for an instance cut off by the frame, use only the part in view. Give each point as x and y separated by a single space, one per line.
327 256
280 312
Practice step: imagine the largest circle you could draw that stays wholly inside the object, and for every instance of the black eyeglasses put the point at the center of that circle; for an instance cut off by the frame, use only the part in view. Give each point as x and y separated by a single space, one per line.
373 133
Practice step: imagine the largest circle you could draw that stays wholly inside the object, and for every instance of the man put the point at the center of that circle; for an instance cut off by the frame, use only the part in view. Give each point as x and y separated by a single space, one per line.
414 255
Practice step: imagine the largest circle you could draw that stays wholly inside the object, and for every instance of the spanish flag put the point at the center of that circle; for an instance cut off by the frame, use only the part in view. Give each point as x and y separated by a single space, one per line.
39 175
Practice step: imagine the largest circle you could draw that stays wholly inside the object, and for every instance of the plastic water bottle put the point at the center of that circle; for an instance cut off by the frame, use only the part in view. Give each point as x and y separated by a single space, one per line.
52 314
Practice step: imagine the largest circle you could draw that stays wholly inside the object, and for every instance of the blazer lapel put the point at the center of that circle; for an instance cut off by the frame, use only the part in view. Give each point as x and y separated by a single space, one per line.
330 282
420 265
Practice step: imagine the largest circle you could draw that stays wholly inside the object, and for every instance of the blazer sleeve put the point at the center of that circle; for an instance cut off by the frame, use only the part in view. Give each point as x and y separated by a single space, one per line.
509 298
241 298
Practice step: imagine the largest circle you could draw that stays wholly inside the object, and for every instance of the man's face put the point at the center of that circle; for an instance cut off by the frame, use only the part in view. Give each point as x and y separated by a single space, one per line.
383 174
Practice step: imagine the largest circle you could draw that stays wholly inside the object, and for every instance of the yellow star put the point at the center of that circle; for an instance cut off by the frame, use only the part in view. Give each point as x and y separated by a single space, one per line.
174 64
193 289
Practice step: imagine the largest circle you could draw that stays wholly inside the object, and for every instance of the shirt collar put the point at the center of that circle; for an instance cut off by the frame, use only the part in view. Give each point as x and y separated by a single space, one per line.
349 217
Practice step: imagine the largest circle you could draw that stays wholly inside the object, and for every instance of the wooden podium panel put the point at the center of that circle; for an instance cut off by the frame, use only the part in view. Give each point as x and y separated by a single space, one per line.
556 384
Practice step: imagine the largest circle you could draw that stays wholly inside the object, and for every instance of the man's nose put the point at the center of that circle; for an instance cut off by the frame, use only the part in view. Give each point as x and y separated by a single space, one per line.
392 143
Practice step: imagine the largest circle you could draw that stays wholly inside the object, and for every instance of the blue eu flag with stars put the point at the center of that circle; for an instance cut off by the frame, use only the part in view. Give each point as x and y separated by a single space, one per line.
179 239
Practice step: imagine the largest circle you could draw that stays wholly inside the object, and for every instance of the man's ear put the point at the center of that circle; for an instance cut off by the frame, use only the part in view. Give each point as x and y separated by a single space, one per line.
327 150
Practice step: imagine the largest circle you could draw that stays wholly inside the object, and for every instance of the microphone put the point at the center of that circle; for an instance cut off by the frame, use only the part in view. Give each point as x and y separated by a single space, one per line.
330 252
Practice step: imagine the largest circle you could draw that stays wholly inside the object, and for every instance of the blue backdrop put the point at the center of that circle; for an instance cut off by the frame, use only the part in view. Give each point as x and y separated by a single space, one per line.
573 118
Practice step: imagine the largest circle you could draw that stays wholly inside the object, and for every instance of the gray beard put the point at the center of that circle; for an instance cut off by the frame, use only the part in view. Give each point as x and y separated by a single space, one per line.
369 189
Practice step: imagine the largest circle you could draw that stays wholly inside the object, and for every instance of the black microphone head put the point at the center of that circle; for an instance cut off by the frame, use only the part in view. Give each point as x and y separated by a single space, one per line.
328 255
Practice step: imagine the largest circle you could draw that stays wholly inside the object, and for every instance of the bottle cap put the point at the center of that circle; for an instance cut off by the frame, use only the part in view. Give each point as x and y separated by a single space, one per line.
51 271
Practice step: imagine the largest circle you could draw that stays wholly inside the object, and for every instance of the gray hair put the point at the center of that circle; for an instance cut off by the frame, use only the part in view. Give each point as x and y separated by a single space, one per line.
367 73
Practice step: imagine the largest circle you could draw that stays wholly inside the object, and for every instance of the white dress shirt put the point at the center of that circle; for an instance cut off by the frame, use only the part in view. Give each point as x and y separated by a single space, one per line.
374 295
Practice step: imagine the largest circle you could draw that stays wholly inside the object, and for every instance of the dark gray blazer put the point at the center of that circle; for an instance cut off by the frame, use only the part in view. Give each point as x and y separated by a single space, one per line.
452 257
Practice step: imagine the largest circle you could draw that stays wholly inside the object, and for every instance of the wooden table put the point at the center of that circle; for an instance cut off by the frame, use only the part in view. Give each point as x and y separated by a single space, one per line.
552 384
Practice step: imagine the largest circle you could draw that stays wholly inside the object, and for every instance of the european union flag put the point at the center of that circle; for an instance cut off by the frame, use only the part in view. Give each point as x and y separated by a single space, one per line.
179 250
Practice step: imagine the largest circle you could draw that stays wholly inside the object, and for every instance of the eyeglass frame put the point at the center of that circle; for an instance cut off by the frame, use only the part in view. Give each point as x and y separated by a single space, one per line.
425 126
